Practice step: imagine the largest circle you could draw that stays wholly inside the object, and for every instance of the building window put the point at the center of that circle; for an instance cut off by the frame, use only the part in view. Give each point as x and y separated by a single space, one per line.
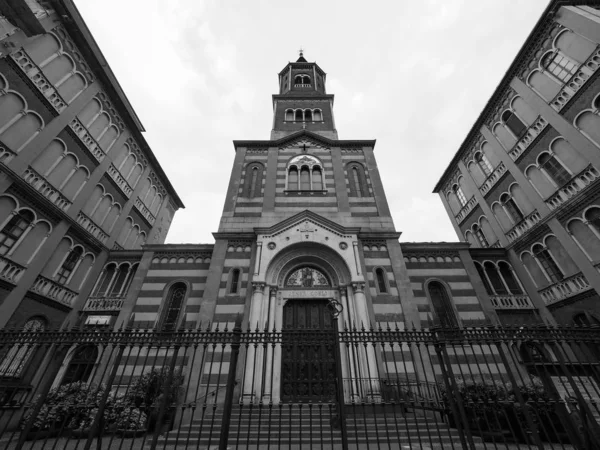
81 365
555 170
17 357
511 208
478 232
172 307
308 116
234 283
301 81
381 278
442 305
484 164
484 280
307 277
559 65
548 264
492 273
253 180
585 320
289 115
299 117
592 215
513 123
68 266
459 194
14 229
357 180
305 173
317 115
509 278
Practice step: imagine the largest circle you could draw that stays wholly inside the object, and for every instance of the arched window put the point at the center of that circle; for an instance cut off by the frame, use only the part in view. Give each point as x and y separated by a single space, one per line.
555 170
317 179
548 264
507 274
494 277
298 79
253 180
381 277
442 305
513 123
305 178
559 65
305 79
592 215
484 280
81 365
105 280
459 194
307 277
484 164
14 362
123 280
308 115
478 232
14 229
317 115
289 115
172 307
234 281
293 179
299 116
357 181
68 266
511 208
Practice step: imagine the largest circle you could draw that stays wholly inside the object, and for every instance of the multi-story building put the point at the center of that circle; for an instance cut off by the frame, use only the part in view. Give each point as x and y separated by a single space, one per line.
526 177
77 178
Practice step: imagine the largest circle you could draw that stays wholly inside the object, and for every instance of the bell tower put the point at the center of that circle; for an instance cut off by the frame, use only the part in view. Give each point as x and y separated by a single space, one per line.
302 102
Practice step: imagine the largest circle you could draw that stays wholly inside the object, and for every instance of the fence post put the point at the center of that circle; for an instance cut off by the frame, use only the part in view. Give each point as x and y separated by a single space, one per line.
227 407
339 383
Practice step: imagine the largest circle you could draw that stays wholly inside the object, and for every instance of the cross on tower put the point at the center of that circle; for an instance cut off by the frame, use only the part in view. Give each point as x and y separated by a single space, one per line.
301 51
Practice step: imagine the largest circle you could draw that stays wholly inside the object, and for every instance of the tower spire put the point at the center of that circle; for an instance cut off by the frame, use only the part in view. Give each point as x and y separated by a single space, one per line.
301 53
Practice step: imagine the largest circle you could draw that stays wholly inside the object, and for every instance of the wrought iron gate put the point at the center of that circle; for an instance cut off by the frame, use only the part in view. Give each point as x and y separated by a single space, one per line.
441 388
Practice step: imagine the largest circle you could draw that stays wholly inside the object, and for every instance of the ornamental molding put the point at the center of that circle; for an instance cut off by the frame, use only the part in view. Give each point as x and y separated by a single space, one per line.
107 106
181 257
74 52
156 182
501 104
316 100
301 142
135 148
352 151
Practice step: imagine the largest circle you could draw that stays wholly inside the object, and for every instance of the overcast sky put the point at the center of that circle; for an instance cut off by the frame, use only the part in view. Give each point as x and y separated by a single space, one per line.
412 74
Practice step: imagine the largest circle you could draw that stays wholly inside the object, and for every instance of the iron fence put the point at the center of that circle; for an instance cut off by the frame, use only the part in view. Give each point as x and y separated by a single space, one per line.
438 388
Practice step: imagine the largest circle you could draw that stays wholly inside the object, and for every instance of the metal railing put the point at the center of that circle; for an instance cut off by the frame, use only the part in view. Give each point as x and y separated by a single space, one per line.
471 388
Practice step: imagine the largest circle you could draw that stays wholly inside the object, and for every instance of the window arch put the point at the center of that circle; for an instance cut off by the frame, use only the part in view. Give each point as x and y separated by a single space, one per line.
513 211
478 232
81 365
317 115
484 279
508 275
442 304
173 305
289 115
357 180
459 194
554 169
484 164
308 115
69 265
253 180
592 215
513 123
305 173
559 65
235 279
548 263
381 281
495 279
15 229
16 358
302 80
298 115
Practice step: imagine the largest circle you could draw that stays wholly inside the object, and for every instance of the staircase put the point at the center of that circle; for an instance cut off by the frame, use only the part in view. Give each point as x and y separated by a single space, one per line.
303 426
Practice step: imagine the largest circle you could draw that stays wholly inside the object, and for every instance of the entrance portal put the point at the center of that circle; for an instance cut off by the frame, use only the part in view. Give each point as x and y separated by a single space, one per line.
308 369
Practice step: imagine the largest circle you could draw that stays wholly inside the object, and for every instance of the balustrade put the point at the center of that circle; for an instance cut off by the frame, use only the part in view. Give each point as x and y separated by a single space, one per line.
37 77
121 182
6 154
86 138
511 302
465 210
532 132
523 226
100 304
565 288
90 226
144 211
10 271
491 180
573 187
54 291
40 184
585 71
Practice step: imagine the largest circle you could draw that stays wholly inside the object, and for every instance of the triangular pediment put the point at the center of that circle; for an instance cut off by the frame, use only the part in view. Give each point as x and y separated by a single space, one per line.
304 218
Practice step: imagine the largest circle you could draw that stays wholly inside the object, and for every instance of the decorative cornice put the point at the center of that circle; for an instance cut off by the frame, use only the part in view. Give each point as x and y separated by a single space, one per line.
178 248
308 134
311 216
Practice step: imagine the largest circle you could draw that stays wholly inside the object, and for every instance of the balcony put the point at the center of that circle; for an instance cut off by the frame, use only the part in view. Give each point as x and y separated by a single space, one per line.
523 226
90 226
40 184
465 210
86 138
6 154
585 178
144 211
54 291
302 85
491 180
565 288
532 132
121 182
103 304
585 71
10 271
511 302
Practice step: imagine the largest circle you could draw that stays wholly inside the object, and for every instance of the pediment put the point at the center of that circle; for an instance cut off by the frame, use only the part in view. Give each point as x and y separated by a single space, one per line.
307 220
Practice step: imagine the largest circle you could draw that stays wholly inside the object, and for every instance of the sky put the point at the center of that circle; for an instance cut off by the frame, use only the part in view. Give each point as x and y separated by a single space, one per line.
414 75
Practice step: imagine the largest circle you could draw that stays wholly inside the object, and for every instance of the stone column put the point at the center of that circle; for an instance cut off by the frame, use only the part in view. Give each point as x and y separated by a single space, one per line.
269 327
250 376
366 353
349 362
